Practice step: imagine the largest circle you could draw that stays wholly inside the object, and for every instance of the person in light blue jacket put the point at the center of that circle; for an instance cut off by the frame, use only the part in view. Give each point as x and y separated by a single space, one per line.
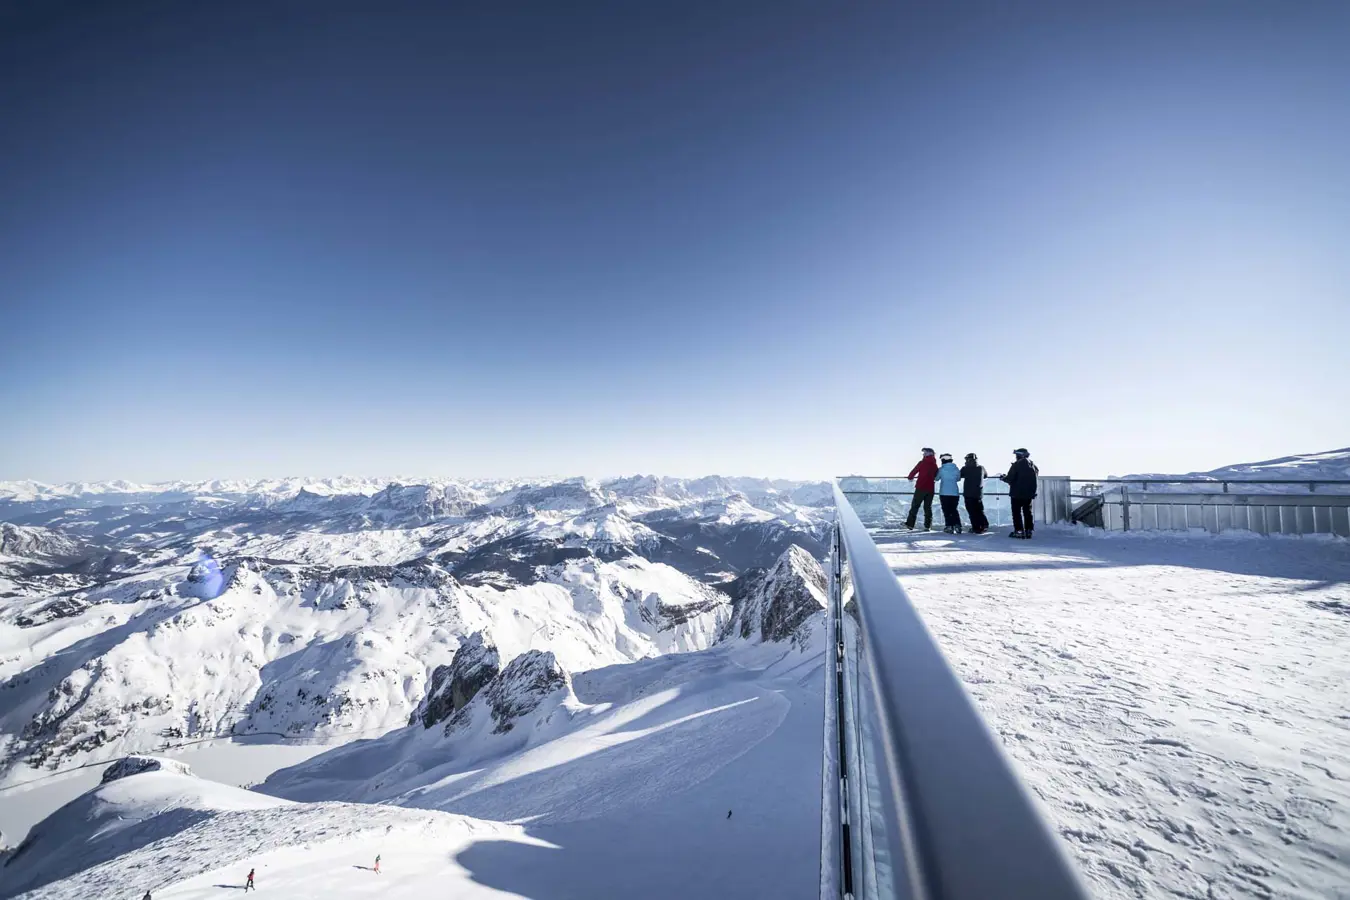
949 491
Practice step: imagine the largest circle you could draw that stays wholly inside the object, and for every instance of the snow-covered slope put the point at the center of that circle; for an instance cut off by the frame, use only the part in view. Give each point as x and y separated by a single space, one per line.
126 812
180 836
672 777
1331 464
542 746
478 711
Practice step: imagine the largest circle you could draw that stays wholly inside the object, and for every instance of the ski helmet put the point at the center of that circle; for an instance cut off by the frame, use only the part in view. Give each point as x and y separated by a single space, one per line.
946 457
971 457
927 451
1021 451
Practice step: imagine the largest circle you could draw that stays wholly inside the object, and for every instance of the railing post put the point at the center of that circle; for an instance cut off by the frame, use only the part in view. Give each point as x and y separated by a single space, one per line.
1125 507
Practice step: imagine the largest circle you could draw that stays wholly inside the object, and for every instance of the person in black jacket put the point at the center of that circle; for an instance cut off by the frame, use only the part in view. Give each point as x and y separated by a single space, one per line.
1021 480
972 485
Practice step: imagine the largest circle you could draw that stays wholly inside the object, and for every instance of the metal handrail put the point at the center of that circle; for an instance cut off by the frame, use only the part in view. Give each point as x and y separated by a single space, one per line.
907 493
1140 480
958 823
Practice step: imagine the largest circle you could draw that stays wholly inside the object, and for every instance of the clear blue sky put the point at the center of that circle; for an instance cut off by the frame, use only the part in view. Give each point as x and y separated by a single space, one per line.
778 238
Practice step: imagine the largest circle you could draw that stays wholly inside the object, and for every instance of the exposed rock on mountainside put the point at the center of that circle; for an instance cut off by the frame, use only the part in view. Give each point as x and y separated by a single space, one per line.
570 495
135 765
522 686
425 503
31 550
476 663
38 544
781 603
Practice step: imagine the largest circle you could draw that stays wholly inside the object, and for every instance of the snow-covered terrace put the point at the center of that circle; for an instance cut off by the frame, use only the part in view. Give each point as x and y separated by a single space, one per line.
1180 704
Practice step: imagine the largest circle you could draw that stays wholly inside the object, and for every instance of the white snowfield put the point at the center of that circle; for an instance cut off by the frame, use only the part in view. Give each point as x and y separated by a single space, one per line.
1180 704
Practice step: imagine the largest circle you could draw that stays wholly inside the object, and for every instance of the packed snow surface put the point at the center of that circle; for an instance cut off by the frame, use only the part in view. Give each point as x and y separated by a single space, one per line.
1180 704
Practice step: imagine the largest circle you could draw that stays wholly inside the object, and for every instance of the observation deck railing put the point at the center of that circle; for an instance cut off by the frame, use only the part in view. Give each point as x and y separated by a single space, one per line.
919 801
1302 506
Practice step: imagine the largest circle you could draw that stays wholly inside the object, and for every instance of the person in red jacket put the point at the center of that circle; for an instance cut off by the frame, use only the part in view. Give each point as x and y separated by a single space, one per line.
922 475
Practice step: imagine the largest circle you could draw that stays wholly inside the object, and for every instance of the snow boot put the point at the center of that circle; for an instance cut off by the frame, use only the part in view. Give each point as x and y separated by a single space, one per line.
1015 534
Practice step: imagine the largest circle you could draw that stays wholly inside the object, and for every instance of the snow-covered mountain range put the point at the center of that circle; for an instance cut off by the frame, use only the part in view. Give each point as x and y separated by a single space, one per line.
134 617
441 637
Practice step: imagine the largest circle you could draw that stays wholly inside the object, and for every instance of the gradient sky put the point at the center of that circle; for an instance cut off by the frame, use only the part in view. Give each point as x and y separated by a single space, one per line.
779 238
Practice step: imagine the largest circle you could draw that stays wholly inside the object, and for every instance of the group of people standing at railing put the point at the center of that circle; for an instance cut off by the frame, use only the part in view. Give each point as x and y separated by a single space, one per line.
949 483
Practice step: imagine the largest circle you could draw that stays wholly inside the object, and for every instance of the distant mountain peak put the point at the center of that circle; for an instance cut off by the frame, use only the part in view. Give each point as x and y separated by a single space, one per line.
781 603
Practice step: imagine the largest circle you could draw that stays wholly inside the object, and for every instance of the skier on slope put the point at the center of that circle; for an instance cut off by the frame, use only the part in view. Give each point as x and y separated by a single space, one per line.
377 863
973 475
1021 480
147 896
925 470
949 491
249 885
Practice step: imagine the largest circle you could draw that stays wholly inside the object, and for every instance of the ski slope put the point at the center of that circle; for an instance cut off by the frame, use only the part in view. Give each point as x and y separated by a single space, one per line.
632 792
1181 704
628 795
181 836
423 866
